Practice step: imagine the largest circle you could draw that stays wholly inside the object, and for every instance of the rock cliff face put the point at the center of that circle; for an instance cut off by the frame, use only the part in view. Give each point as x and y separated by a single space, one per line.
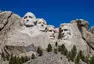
72 36
7 21
87 35
16 38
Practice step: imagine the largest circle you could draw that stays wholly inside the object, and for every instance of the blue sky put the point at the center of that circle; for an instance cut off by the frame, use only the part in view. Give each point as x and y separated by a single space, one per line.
53 11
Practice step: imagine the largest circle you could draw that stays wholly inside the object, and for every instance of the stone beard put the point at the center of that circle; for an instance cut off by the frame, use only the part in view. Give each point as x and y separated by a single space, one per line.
29 19
65 32
41 24
51 31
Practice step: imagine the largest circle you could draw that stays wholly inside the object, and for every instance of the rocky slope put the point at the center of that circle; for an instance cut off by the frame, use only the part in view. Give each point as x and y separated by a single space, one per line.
50 58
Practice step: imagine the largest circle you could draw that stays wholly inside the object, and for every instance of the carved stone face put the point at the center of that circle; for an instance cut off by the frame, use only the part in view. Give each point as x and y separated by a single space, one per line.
65 32
29 19
41 24
51 31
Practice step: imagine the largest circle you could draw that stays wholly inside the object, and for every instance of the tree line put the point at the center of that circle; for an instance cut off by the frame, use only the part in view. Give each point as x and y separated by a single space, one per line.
71 55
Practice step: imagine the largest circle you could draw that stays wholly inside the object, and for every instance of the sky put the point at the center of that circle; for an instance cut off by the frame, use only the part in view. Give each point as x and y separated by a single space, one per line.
54 12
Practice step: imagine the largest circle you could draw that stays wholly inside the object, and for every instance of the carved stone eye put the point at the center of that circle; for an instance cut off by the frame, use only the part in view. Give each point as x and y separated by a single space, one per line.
65 29
54 31
39 23
43 22
30 17
25 17
61 30
50 30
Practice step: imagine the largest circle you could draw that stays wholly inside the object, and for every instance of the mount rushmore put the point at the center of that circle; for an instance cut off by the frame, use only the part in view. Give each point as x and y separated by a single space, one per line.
21 35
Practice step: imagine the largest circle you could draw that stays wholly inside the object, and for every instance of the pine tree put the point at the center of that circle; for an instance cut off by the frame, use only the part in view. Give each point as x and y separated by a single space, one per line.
26 58
82 57
55 51
59 48
73 53
62 46
33 56
77 59
49 49
92 60
22 59
7 57
64 50
15 60
86 59
39 51
56 44
12 60
18 60
69 55
3 56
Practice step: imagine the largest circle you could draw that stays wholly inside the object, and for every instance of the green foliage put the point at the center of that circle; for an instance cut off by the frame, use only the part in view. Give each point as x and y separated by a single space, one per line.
64 50
62 47
7 57
33 56
77 59
18 60
59 48
92 60
55 51
23 59
11 60
56 44
49 49
82 57
69 55
73 53
39 51
15 60
26 59
3 56
86 59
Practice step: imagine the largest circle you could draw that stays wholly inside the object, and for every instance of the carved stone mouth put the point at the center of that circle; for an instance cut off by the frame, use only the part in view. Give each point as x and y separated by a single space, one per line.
62 36
52 36
29 25
42 30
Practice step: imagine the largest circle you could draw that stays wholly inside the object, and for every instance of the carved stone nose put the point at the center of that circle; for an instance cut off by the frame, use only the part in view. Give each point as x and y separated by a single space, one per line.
42 25
62 33
27 20
53 33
